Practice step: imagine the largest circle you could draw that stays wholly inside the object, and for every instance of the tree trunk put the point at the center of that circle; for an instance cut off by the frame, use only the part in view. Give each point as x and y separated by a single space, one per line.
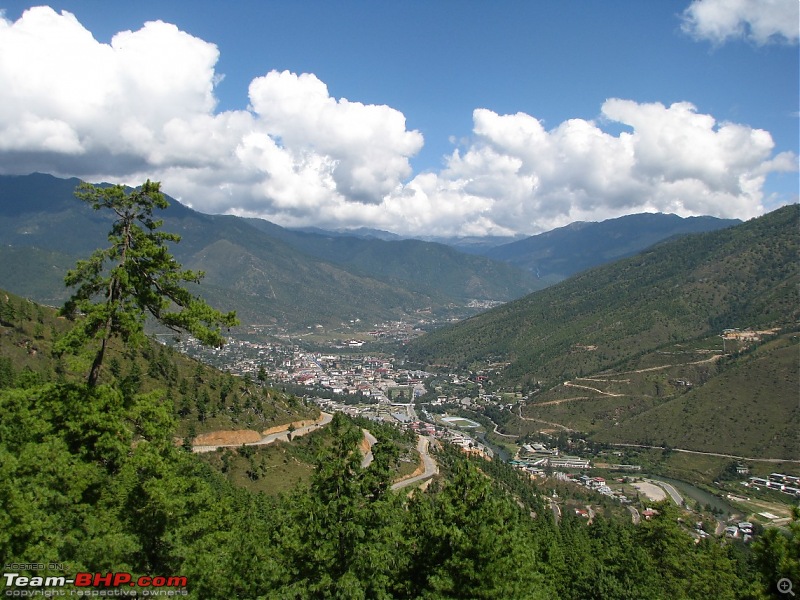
94 374
113 294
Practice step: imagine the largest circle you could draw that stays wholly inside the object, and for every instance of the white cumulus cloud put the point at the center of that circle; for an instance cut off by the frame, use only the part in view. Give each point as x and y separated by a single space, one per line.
517 176
368 145
143 106
760 21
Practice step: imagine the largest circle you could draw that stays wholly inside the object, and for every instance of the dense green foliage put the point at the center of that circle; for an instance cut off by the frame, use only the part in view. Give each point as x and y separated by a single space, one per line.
203 399
745 276
93 480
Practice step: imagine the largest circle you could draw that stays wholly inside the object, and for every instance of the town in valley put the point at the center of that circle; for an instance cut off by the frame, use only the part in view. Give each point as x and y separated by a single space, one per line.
360 378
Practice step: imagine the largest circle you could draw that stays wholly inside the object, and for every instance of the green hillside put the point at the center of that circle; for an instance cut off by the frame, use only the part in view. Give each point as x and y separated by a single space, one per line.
36 273
430 268
748 407
199 398
687 396
745 276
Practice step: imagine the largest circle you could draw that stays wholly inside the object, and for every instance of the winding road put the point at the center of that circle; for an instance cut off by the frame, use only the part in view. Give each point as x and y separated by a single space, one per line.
748 458
430 465
325 418
368 457
586 387
559 425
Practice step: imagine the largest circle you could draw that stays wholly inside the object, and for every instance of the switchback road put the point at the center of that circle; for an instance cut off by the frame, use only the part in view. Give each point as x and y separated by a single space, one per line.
431 468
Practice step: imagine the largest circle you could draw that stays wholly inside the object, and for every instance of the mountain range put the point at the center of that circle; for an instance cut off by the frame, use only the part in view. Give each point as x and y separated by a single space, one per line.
560 253
298 278
264 272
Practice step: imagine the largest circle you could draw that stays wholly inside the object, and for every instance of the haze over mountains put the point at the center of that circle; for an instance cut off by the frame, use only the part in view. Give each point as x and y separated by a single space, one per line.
557 254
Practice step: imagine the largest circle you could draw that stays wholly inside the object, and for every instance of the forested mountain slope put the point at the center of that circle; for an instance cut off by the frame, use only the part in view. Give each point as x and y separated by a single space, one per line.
431 268
250 270
199 398
745 276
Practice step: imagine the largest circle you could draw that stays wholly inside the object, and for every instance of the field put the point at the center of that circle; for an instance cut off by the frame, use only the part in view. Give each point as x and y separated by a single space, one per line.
461 422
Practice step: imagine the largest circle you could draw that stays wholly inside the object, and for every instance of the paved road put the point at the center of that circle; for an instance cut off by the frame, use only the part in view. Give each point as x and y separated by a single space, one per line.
503 434
368 457
747 458
431 467
673 493
556 511
269 439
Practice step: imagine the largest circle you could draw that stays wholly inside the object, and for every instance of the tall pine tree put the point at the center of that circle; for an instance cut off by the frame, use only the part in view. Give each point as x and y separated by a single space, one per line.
144 279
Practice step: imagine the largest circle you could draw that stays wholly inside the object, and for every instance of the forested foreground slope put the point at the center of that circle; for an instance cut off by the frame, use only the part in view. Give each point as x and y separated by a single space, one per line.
94 479
96 484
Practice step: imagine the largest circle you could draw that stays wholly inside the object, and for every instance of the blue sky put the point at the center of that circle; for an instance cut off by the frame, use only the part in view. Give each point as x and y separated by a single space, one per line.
590 109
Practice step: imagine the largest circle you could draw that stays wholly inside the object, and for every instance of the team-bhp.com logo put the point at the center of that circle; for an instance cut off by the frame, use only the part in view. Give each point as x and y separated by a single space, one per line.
108 584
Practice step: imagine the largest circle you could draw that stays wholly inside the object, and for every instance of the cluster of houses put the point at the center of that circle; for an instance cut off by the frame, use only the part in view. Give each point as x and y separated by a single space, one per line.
599 485
743 530
535 458
378 390
370 377
788 484
378 381
468 445
404 416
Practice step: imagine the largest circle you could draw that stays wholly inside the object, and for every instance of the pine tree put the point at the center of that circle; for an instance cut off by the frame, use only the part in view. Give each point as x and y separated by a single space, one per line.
144 279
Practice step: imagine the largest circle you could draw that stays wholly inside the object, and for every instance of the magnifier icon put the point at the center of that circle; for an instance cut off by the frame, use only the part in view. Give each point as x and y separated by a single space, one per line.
785 586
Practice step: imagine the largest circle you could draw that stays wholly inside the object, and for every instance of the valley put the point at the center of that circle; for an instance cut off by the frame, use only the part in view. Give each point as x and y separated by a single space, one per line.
656 391
400 300
550 431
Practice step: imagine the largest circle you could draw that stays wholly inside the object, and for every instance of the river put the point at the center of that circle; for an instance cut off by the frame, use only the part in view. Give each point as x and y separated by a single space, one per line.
499 452
695 493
